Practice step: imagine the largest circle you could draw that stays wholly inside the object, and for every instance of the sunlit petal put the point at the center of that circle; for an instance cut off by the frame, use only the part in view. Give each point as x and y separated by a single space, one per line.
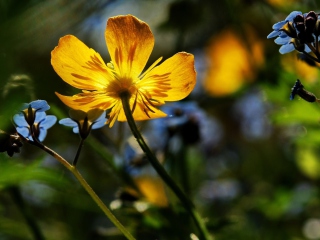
79 65
130 43
142 113
87 102
175 78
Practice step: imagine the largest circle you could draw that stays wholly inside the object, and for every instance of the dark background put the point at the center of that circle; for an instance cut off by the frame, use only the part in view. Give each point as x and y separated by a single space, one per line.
242 151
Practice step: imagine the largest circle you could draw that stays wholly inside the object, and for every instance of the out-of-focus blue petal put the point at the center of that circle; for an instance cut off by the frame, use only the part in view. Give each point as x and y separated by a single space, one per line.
20 121
100 122
40 116
282 40
279 25
68 122
24 131
273 34
97 125
307 49
282 34
286 48
40 105
76 129
292 15
42 134
48 122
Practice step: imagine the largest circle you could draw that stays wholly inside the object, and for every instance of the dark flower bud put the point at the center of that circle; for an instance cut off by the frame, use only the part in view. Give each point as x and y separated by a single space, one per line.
311 20
299 23
190 131
289 30
299 90
10 143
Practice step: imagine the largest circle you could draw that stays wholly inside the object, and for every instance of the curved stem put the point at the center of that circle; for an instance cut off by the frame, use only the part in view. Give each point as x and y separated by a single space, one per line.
161 171
87 187
98 201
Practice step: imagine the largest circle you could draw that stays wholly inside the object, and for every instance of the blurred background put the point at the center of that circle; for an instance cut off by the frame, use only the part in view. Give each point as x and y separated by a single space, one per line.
244 153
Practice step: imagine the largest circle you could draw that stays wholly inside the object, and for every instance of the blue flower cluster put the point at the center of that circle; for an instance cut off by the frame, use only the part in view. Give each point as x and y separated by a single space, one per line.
32 122
298 31
83 122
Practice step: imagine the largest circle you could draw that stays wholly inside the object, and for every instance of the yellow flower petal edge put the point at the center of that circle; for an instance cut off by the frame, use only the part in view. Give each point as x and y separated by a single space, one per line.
78 65
130 43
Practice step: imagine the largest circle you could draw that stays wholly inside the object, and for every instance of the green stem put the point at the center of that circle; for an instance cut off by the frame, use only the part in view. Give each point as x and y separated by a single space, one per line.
75 160
161 171
98 201
184 170
87 187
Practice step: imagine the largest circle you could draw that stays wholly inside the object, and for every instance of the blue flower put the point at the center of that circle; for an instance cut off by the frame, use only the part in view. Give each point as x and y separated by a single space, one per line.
40 125
277 26
188 122
288 33
82 122
38 105
29 110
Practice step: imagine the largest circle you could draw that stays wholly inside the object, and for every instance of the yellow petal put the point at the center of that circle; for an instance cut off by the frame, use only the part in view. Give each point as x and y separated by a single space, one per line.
139 113
79 65
175 78
86 102
153 189
130 43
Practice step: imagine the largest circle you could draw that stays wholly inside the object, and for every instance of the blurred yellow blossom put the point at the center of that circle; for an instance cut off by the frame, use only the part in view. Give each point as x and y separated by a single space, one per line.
281 3
130 43
232 62
301 69
152 189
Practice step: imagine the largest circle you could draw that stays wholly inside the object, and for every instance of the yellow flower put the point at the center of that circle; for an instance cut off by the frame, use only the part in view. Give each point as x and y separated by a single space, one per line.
130 43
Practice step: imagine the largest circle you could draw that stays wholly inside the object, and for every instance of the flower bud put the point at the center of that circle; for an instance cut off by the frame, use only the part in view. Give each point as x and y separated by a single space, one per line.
310 21
299 23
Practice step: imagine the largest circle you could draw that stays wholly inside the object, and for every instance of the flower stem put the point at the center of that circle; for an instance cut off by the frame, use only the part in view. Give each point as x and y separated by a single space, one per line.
75 160
87 187
314 50
98 201
188 205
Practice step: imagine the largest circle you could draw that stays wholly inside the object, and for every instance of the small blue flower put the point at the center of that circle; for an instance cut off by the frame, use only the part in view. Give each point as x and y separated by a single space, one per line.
277 26
288 35
39 128
82 122
38 105
29 110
